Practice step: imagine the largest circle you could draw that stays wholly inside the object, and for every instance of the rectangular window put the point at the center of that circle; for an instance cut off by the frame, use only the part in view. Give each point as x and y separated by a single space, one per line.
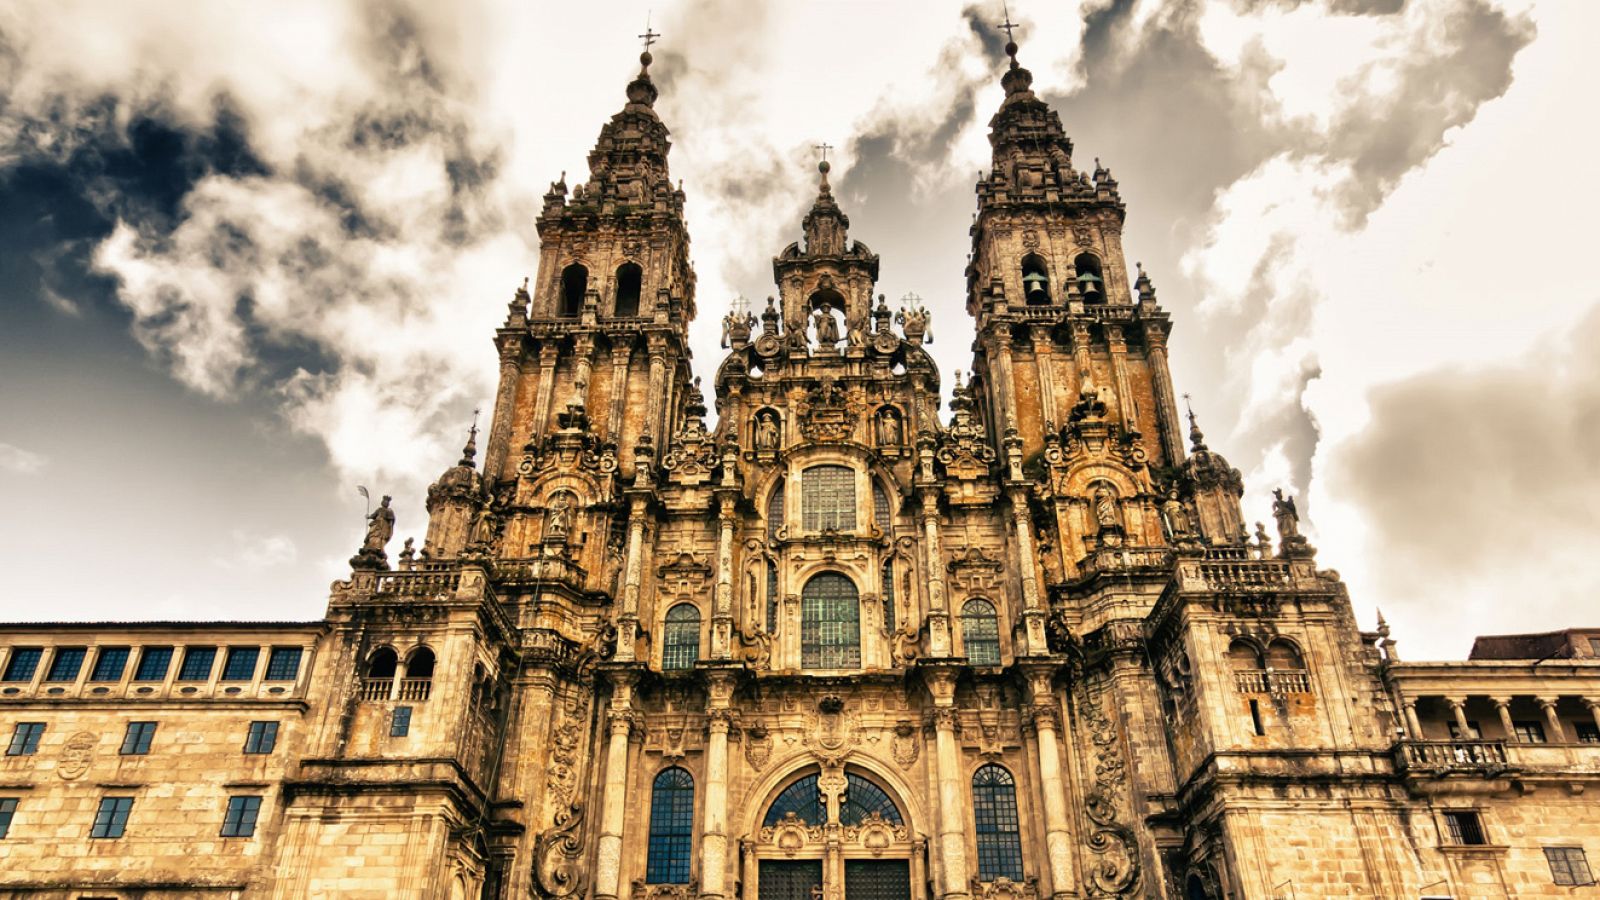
65 665
109 664
262 738
241 665
1587 732
1464 828
25 739
1594 646
8 809
400 724
153 664
240 820
1529 731
137 741
111 820
828 498
1568 865
197 663
283 664
23 663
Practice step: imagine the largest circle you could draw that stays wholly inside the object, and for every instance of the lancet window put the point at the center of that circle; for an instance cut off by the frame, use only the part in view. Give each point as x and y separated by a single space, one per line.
574 284
630 278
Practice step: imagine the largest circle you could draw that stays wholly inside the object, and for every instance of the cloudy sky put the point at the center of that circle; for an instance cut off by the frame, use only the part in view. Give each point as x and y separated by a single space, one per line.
252 255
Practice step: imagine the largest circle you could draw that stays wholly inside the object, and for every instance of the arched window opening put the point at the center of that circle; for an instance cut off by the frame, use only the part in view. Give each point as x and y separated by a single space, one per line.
1286 669
980 632
671 828
381 668
630 278
775 512
828 498
827 328
862 799
1035 281
772 597
880 508
680 644
830 623
574 284
418 683
887 590
803 798
1249 673
994 809
1091 281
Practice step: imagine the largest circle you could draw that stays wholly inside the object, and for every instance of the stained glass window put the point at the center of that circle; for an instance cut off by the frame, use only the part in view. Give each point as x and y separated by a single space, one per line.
828 498
775 512
880 508
680 645
888 594
772 597
671 827
980 632
862 798
994 808
803 798
830 623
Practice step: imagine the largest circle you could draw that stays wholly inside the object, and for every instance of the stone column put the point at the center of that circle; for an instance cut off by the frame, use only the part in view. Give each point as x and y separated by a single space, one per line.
1412 722
722 602
548 355
613 799
1080 353
1155 340
1119 376
1458 710
621 350
714 827
933 548
1004 385
1594 710
505 400
658 378
952 800
1502 705
628 619
1043 349
752 870
1033 614
1558 735
1058 837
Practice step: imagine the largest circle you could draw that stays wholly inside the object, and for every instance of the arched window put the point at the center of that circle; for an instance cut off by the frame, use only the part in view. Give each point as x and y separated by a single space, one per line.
775 512
381 668
862 798
887 591
680 644
980 632
1035 281
880 508
418 683
629 280
830 623
671 827
574 284
828 498
772 597
1286 668
1091 281
803 798
994 808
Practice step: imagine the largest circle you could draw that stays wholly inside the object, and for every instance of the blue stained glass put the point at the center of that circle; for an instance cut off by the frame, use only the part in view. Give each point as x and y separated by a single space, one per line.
680 645
862 798
803 798
671 828
994 809
980 632
830 623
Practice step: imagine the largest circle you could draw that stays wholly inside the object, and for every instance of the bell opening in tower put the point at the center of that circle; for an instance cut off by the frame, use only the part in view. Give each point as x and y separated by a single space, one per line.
1035 281
629 279
1091 280
574 283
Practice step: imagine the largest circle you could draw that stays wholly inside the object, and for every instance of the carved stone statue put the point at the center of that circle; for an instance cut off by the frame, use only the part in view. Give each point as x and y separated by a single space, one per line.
380 527
1287 516
889 433
1106 514
767 431
559 518
1176 517
827 326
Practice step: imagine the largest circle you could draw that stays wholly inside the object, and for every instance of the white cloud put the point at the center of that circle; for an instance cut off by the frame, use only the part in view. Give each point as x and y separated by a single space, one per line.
18 461
254 553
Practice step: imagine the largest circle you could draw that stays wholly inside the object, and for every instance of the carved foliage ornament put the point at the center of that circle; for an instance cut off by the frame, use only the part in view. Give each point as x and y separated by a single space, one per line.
558 851
827 413
1115 871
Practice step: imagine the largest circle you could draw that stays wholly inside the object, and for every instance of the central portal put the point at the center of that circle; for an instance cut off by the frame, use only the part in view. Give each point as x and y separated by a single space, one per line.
791 879
837 835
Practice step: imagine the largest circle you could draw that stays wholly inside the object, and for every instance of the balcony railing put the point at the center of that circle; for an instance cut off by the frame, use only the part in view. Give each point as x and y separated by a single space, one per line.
419 583
1272 681
1452 755
1252 575
415 688
376 688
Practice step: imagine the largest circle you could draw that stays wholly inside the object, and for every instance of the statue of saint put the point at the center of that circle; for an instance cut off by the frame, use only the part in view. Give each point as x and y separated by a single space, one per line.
766 432
559 518
1287 516
1176 516
380 527
483 527
888 428
1105 509
827 327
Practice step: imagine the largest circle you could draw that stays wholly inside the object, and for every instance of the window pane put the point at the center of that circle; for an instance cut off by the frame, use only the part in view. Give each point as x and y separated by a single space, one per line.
980 633
1529 732
862 798
112 818
8 809
241 664
400 724
197 663
67 662
828 498
994 810
772 597
887 592
109 664
1464 828
283 664
262 738
240 819
803 798
830 623
137 741
681 643
671 828
1568 865
25 739
23 663
775 512
880 508
153 664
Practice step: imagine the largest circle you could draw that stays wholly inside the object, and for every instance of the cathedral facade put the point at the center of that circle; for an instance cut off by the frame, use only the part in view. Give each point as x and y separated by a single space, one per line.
842 645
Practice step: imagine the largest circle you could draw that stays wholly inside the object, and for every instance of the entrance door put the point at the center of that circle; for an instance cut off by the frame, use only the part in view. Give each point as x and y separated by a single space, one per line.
874 879
791 879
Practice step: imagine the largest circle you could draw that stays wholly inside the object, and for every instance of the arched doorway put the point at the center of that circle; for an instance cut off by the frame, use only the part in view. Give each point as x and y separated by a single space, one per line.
839 833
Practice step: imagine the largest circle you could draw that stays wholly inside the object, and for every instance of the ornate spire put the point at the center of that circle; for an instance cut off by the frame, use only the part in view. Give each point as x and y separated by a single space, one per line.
1197 439
825 225
1143 287
642 90
469 452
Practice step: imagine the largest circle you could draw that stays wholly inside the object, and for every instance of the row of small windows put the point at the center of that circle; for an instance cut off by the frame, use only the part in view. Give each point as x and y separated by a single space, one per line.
261 738
1568 865
575 284
994 805
111 818
66 663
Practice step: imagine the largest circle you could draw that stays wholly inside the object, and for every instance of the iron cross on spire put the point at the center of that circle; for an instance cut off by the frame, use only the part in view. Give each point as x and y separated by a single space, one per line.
1008 25
824 147
649 36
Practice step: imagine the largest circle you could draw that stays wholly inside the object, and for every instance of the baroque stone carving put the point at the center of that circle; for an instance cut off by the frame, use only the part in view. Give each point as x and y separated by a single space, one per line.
77 755
1115 871
907 743
827 414
558 856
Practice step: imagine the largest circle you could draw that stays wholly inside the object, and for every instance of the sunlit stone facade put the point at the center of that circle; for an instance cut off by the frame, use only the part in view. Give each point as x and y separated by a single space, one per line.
844 644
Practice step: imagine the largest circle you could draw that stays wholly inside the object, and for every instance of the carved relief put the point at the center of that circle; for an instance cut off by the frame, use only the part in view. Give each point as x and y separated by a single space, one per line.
827 413
906 744
77 755
830 732
1115 872
558 852
757 746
